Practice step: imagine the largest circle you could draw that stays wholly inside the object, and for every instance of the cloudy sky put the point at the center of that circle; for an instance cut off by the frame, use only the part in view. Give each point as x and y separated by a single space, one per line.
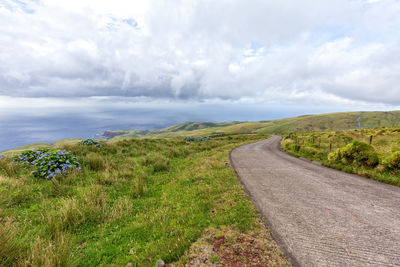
305 56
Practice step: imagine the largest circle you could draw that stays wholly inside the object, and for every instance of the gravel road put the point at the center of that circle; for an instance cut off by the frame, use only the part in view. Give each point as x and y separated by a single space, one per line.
320 216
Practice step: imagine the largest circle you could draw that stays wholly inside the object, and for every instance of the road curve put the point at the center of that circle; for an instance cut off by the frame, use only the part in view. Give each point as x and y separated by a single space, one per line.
321 216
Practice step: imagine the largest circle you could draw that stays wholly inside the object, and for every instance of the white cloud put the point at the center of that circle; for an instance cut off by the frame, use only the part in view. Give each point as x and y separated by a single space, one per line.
256 50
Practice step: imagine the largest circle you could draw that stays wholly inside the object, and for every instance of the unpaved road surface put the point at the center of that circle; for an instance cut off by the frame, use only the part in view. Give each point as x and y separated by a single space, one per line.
320 216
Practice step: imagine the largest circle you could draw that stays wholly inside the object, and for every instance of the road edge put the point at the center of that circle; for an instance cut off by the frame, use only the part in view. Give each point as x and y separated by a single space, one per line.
277 237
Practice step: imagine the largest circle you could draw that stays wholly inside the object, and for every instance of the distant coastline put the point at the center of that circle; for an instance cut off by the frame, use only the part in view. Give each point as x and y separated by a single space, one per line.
110 133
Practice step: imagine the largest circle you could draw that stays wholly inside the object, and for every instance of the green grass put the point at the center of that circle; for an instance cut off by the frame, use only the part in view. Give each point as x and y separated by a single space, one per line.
305 123
319 145
134 201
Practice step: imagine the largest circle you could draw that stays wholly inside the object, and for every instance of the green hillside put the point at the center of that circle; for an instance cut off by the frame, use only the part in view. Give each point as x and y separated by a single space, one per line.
130 203
305 123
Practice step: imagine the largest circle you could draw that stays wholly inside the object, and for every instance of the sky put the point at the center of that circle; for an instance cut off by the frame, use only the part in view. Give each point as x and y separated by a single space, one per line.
205 59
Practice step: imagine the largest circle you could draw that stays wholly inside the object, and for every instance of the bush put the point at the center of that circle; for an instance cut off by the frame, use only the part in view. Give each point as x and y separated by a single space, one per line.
395 149
334 156
292 146
48 163
197 139
393 161
347 139
90 142
356 152
30 156
310 150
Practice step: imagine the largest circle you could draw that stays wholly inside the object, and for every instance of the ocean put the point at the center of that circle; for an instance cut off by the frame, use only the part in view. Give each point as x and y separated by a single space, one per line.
46 126
28 130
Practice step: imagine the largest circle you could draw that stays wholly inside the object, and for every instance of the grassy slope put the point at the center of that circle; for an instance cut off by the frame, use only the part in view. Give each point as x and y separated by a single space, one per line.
316 146
17 150
323 122
134 201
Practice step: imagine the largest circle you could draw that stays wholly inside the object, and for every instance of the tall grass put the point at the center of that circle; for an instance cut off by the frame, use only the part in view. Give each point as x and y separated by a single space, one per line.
11 249
95 161
57 252
138 187
7 168
133 201
73 212
349 150
158 161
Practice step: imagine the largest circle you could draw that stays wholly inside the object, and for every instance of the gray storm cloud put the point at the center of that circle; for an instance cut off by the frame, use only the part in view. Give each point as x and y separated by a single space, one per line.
201 50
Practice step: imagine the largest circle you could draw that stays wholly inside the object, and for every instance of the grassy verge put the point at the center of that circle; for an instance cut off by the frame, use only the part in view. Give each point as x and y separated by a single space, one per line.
134 201
350 151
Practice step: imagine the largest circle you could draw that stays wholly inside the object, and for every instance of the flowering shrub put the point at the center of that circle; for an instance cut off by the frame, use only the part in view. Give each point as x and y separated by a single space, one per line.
48 163
197 139
29 156
90 142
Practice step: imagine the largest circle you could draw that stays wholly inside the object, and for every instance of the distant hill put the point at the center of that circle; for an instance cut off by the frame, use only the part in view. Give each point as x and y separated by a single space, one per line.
305 123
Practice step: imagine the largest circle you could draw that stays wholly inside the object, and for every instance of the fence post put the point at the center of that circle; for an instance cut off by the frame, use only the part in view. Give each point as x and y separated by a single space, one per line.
330 146
370 140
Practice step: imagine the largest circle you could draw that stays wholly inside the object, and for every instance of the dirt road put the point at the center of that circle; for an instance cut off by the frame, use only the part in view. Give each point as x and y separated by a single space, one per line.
320 216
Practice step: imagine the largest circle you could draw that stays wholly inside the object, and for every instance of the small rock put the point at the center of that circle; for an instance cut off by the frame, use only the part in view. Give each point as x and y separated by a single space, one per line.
129 264
160 263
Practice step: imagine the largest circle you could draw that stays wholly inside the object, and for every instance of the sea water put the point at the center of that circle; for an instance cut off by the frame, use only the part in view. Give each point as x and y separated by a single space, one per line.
28 130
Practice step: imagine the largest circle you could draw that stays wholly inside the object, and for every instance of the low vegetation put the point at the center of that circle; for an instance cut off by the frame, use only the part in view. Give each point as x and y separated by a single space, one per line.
131 201
305 123
227 247
373 153
47 163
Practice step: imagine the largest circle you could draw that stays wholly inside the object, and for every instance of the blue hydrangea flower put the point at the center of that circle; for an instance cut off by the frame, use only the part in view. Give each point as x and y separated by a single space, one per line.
48 163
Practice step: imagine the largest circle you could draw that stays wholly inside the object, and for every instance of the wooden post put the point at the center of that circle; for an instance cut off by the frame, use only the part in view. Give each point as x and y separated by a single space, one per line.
330 146
319 145
370 140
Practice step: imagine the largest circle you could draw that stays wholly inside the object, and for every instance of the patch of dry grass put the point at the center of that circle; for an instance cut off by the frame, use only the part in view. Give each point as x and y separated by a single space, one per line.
229 247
